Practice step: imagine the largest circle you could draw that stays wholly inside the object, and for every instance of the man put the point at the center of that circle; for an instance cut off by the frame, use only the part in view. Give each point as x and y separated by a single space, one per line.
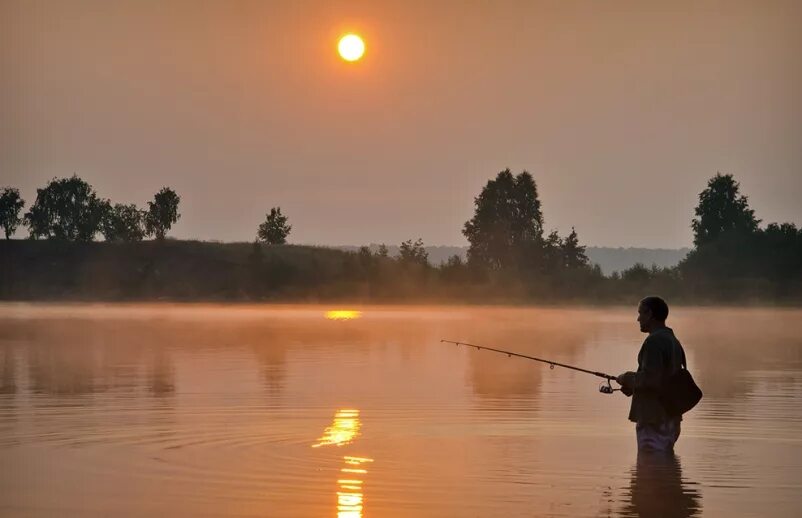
660 356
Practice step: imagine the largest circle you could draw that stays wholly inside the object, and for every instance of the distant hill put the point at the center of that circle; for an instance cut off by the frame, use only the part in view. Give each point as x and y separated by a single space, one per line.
609 259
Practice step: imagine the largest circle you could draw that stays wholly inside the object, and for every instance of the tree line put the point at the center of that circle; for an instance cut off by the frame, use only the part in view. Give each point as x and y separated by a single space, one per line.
69 209
511 254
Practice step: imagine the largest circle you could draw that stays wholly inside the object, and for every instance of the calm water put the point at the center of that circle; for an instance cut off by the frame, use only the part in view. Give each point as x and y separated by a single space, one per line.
191 411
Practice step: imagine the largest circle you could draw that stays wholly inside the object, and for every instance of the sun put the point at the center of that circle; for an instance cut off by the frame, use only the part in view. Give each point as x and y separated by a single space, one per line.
351 47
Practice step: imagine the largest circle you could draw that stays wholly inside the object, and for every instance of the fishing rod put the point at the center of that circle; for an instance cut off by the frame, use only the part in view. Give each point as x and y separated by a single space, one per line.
604 389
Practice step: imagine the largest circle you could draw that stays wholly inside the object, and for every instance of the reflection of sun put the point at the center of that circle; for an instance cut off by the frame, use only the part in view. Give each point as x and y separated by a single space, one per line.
351 47
350 495
350 499
343 314
344 429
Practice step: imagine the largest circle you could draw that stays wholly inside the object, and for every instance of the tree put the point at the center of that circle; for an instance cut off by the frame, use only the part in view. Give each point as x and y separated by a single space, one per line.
414 253
721 210
10 206
507 221
162 212
123 223
778 255
573 253
68 209
638 273
552 253
274 230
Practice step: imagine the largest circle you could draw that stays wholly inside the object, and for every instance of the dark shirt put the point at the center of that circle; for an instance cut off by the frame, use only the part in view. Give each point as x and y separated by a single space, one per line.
660 356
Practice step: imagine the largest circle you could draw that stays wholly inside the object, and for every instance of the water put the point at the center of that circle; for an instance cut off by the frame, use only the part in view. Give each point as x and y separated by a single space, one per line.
197 410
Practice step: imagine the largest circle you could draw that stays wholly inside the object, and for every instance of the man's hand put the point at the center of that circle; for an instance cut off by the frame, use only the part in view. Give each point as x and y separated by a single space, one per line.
626 379
627 382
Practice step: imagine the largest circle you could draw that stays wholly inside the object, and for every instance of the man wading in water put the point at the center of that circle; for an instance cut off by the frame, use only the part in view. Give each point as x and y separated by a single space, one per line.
660 357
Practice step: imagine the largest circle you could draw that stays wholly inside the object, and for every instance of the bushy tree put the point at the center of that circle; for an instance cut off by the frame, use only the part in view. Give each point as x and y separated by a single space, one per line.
123 223
722 209
10 206
507 220
637 273
778 256
551 253
162 212
68 209
413 253
573 254
275 229
726 238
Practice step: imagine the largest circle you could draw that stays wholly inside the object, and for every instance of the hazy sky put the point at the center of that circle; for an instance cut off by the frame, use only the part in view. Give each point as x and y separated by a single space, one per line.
620 110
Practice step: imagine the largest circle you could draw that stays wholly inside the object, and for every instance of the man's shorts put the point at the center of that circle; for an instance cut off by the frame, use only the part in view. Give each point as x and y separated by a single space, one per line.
658 436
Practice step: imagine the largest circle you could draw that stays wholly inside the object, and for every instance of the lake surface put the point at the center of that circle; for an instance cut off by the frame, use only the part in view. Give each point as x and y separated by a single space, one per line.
292 411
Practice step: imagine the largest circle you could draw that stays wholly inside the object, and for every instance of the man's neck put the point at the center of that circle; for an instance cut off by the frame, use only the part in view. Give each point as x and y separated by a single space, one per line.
657 327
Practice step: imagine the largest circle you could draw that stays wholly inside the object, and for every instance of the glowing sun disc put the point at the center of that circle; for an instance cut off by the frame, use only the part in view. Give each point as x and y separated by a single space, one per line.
351 47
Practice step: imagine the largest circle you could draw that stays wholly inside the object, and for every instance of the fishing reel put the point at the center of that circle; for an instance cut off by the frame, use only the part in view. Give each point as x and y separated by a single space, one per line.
607 389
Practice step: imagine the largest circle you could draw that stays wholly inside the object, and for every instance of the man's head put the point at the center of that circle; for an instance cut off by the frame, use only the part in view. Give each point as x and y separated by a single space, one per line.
652 314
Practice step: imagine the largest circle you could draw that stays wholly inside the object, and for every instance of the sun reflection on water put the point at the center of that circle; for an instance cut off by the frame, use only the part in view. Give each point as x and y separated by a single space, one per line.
343 314
342 431
350 496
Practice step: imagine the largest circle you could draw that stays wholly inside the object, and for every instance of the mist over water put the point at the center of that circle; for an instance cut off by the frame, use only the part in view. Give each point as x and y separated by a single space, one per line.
294 411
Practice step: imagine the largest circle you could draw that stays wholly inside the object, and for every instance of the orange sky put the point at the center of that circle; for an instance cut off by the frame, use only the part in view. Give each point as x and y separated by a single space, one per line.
620 110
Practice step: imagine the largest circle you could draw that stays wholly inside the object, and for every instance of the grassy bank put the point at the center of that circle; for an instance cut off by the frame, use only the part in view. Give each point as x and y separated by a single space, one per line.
168 270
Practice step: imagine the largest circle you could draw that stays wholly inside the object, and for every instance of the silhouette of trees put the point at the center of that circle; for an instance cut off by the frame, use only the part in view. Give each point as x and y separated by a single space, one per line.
162 212
413 253
781 249
455 271
10 206
551 256
559 254
508 249
69 209
123 223
509 257
275 229
66 209
733 257
507 221
573 254
722 210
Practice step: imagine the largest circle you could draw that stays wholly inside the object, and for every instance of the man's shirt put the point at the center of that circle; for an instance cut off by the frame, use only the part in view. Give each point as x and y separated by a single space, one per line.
660 356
